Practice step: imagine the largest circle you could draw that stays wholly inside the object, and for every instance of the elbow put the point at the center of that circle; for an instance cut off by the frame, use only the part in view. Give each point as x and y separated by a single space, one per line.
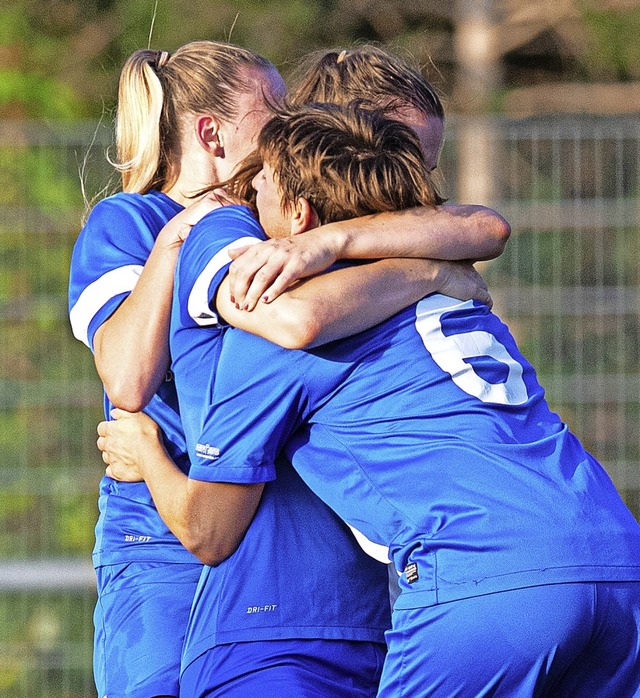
501 232
300 337
297 330
208 550
211 558
210 543
126 395
129 386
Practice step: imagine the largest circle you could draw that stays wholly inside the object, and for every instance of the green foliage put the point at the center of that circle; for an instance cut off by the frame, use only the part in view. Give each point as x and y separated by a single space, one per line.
570 258
45 642
36 178
28 88
36 97
615 50
65 61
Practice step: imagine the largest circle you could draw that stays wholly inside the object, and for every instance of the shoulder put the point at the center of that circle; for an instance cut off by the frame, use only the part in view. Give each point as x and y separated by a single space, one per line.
117 213
219 231
230 219
116 204
133 206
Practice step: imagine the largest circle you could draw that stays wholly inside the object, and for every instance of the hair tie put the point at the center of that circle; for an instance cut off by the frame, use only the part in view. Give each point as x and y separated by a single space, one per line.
162 59
342 56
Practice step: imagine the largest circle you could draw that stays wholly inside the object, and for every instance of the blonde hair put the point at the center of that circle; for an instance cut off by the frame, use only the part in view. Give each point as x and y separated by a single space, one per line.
158 90
347 161
365 72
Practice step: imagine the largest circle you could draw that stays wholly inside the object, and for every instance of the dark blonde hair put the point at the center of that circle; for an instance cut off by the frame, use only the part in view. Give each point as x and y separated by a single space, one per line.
347 161
364 72
158 90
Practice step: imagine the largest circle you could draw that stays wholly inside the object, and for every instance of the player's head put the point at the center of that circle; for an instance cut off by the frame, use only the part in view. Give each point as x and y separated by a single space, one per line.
329 162
159 94
387 81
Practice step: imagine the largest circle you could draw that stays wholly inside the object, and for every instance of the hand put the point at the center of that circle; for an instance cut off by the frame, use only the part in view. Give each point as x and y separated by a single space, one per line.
460 280
127 443
178 228
264 271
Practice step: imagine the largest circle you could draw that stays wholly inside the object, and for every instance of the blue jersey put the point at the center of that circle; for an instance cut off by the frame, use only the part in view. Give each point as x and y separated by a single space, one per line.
431 435
298 572
108 257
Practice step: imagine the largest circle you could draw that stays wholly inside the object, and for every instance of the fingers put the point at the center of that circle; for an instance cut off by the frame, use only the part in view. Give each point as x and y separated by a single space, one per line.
261 287
237 251
252 274
103 428
266 270
213 200
278 287
185 220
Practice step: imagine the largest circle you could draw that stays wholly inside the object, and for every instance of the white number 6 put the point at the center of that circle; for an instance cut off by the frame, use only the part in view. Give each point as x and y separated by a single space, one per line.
449 352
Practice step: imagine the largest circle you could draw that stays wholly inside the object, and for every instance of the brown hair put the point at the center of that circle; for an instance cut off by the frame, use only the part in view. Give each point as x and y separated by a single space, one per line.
364 72
158 90
346 160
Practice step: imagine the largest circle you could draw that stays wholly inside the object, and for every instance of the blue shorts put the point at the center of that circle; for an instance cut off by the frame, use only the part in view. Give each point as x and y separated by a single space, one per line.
140 620
580 640
292 668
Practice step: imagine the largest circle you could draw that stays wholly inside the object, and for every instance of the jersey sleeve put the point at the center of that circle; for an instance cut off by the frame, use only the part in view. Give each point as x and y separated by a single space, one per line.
107 260
259 400
204 259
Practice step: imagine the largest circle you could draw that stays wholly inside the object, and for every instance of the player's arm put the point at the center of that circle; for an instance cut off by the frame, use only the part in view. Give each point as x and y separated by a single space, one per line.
131 348
450 232
347 301
209 518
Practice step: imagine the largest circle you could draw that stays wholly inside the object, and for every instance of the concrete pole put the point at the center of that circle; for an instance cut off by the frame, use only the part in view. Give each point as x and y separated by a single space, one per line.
477 78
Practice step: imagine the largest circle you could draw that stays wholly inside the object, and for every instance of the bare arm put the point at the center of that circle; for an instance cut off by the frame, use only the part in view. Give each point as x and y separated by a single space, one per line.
449 232
132 348
347 301
208 518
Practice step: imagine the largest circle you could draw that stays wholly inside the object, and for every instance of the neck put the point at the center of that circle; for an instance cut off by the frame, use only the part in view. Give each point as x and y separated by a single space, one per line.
195 171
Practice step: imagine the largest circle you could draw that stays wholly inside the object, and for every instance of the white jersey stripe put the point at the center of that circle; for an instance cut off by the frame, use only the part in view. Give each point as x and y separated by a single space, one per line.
198 303
375 550
96 294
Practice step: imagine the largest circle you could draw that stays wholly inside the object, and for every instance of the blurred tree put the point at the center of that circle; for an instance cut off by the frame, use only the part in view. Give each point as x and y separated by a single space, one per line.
60 59
613 31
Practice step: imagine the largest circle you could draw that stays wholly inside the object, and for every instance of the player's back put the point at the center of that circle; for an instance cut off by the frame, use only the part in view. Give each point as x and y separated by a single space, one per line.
107 260
437 431
291 522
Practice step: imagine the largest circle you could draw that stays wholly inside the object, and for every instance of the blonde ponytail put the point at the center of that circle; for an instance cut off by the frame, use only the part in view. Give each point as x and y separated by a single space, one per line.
158 91
140 104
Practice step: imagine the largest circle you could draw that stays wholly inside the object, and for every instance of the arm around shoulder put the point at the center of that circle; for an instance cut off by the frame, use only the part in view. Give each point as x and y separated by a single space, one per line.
487 227
449 232
208 518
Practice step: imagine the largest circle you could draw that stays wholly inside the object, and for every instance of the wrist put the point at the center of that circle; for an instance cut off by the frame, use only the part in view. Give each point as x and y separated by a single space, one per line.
432 273
337 239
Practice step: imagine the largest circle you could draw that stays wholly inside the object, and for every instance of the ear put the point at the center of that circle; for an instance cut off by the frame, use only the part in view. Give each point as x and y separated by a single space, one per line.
208 134
304 217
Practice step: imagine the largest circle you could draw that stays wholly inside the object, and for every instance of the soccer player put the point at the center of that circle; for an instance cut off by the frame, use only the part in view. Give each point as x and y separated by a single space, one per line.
184 121
430 434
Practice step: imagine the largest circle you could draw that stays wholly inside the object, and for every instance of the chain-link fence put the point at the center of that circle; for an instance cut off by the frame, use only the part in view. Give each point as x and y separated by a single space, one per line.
568 286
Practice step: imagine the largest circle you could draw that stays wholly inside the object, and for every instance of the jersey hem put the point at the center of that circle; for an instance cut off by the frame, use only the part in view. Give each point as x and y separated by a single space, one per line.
408 599
105 559
243 475
375 635
144 692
